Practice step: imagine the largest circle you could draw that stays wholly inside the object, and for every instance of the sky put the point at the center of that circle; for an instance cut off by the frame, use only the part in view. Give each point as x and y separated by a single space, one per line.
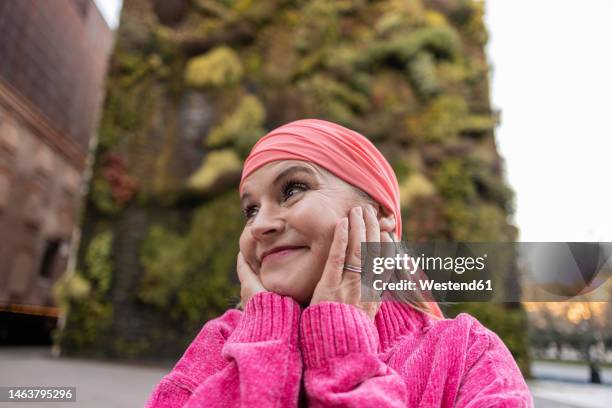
552 81
551 78
110 10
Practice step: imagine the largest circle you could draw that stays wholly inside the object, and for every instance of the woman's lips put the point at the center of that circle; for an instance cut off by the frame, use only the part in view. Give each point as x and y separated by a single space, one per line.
274 256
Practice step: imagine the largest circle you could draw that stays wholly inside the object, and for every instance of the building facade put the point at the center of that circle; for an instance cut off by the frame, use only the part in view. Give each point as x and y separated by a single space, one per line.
53 58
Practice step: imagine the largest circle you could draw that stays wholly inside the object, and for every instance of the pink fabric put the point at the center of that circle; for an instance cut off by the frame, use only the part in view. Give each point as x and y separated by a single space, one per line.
343 152
332 355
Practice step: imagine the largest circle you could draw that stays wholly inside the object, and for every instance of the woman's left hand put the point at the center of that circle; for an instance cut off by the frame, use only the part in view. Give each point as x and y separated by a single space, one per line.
336 283
250 283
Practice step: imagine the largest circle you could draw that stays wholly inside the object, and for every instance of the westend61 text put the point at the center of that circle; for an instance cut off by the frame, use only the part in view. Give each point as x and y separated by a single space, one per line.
475 285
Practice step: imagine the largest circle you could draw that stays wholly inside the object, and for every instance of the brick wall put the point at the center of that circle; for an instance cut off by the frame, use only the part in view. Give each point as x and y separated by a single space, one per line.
53 57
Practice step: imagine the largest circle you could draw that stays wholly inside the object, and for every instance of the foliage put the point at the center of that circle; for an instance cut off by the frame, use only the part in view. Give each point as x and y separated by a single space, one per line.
217 68
422 72
84 296
416 185
87 327
439 120
241 128
98 261
71 286
161 255
218 164
115 187
333 99
190 274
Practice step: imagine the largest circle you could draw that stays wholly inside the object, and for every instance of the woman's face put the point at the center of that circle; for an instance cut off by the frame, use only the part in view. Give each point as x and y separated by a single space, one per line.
295 204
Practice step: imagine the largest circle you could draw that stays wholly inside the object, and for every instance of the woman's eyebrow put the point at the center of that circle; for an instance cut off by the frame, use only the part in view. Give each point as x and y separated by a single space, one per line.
287 172
291 170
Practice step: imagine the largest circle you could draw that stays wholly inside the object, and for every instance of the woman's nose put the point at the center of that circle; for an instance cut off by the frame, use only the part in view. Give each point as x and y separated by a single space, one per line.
268 222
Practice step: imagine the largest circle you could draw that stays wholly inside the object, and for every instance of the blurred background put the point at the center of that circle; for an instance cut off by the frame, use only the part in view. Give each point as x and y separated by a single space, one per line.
124 126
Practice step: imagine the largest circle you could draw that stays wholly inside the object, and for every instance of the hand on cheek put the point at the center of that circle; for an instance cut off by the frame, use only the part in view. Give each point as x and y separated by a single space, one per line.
336 283
250 283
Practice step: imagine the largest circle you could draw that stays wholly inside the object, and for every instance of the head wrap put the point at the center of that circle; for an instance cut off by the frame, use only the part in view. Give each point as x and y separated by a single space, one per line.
343 152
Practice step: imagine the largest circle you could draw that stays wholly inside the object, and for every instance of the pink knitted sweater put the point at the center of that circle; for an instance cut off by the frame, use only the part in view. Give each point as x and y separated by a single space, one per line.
333 355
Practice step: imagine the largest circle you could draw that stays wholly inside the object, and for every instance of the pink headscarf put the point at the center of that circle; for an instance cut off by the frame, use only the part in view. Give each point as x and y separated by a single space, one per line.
343 152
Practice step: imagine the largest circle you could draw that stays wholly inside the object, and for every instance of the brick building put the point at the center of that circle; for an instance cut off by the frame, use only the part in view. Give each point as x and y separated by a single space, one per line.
53 58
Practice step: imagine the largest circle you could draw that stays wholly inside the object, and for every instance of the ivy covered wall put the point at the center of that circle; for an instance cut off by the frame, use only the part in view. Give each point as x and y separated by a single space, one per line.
194 83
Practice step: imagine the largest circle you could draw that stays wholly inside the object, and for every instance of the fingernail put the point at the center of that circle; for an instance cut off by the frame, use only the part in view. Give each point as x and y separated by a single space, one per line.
372 209
358 211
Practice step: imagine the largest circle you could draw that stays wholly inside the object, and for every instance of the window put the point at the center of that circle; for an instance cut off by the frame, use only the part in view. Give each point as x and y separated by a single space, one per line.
52 250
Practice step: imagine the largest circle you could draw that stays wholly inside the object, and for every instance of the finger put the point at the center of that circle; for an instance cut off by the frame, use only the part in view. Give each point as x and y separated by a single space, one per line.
389 247
388 250
357 235
246 275
332 273
242 275
372 227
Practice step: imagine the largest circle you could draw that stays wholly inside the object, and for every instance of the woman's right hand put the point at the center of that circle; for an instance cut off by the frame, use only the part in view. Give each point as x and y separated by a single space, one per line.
250 284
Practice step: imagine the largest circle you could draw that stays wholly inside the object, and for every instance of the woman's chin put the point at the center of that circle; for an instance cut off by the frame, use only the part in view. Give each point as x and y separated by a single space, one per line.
281 288
286 288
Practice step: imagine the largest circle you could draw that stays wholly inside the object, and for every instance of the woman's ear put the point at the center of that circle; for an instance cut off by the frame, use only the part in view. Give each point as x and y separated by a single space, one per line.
386 219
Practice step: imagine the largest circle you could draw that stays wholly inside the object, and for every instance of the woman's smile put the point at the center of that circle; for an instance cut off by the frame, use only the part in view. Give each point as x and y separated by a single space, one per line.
278 255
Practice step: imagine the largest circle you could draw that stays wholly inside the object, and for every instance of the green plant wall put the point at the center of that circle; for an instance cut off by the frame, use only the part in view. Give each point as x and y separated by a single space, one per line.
194 83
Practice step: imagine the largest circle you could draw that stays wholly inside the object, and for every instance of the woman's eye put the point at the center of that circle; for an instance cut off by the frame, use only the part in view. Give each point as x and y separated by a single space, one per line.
293 186
249 211
288 190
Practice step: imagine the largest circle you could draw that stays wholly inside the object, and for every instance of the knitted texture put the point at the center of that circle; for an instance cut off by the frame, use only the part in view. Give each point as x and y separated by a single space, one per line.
333 355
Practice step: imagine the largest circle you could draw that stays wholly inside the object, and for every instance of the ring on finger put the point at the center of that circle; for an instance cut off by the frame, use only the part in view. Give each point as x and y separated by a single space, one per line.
352 268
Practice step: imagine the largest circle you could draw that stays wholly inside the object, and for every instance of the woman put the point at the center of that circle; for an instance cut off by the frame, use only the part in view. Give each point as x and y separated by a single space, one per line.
312 191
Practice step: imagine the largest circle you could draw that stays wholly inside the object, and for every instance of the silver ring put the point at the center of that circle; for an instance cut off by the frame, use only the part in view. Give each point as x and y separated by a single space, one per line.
352 268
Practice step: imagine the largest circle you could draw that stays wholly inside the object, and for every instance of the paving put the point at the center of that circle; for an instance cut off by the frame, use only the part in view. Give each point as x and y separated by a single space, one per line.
98 384
102 384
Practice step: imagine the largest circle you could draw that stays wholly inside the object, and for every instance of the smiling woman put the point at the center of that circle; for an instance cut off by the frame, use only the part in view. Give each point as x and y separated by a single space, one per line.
312 191
297 207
